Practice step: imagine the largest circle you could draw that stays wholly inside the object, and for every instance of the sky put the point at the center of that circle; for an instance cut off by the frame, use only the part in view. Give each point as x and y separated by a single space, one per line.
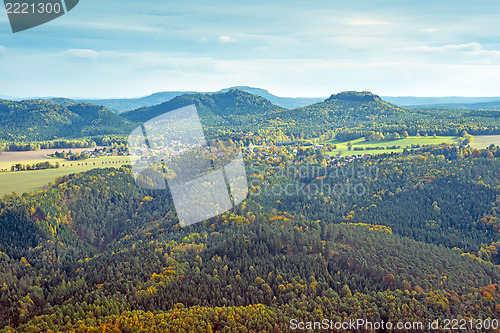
124 48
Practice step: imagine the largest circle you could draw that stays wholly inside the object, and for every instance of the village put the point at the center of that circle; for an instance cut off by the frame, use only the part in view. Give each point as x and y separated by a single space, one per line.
88 153
264 152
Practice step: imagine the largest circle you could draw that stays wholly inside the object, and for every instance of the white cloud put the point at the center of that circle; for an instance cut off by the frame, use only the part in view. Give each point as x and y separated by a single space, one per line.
472 48
227 39
128 74
3 50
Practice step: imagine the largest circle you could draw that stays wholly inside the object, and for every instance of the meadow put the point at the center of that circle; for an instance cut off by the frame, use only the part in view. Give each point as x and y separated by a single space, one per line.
380 147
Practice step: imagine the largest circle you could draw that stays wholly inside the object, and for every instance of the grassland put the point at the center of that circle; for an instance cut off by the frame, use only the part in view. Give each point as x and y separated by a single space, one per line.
25 181
381 146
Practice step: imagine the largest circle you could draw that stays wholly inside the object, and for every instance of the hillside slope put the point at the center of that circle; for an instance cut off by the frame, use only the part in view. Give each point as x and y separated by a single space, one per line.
286 102
234 106
343 109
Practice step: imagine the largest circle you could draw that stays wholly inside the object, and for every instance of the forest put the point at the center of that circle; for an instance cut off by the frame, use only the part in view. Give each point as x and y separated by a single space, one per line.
396 237
95 252
235 115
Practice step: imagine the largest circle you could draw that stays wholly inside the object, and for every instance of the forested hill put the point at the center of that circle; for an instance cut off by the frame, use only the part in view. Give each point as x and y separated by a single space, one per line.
286 102
355 96
129 104
44 120
349 105
229 114
346 109
234 111
238 111
352 113
222 106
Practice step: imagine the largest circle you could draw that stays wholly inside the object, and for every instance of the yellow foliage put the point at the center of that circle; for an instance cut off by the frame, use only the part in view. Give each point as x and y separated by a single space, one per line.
373 227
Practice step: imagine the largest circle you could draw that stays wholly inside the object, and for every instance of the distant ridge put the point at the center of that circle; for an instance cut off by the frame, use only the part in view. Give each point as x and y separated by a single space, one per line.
120 105
434 101
494 105
286 102
125 105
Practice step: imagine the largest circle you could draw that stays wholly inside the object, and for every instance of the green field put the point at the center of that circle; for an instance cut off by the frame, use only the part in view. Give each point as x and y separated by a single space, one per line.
25 181
381 145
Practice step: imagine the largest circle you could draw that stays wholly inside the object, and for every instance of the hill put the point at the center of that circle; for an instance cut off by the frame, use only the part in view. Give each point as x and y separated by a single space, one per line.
232 107
129 104
286 102
343 109
352 113
63 101
226 115
119 105
354 96
45 120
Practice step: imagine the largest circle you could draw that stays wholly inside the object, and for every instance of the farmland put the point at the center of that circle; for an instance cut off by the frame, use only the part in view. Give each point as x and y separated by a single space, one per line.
483 141
360 146
25 181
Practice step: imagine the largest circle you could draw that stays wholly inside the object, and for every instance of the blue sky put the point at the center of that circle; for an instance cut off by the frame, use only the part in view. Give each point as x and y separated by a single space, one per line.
123 48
